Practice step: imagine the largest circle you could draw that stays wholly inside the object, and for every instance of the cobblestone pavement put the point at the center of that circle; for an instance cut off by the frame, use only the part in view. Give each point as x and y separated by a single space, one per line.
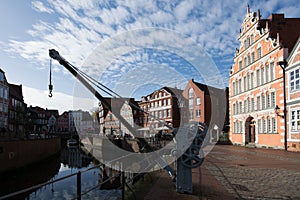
251 173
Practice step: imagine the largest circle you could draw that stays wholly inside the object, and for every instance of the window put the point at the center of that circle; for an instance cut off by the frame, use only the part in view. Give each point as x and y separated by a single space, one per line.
198 101
274 129
249 105
257 77
263 102
269 125
245 83
252 104
248 82
235 127
240 86
295 120
251 80
272 71
294 80
267 73
191 93
240 65
245 106
264 121
233 88
191 114
262 73
169 101
241 107
251 39
191 103
258 103
245 61
241 127
198 113
234 109
273 100
259 53
268 100
252 57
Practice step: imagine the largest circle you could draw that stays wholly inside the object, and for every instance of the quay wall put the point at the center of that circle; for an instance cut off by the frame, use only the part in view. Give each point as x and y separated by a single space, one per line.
15 154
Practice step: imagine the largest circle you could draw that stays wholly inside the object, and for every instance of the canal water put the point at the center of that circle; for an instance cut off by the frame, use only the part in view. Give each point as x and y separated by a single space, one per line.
70 160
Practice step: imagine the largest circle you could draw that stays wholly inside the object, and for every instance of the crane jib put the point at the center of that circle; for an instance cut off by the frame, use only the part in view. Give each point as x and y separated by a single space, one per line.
55 55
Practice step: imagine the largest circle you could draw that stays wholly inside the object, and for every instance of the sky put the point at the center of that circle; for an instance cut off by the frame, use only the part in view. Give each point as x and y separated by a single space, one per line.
130 46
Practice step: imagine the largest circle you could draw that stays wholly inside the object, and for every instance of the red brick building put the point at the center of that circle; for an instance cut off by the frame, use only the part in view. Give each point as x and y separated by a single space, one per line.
256 79
16 110
206 104
62 122
161 107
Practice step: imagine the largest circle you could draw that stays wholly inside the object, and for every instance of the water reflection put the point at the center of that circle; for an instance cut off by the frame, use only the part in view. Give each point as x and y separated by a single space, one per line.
29 176
71 160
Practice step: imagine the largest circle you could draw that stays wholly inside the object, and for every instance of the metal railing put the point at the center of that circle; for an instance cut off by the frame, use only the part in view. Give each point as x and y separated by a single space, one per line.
79 192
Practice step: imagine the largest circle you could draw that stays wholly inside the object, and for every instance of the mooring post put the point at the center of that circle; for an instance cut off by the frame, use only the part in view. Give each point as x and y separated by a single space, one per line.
123 185
79 185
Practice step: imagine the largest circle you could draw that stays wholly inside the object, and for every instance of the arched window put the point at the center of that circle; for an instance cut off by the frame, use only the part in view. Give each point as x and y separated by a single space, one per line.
191 93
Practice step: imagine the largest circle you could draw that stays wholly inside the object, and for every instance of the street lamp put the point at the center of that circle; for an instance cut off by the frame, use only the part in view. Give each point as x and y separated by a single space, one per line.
283 65
277 110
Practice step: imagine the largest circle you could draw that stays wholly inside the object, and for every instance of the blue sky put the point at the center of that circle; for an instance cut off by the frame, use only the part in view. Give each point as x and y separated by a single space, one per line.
82 30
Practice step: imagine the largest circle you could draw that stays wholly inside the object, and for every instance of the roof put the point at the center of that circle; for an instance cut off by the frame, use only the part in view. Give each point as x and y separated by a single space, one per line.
208 90
49 113
288 29
293 50
15 91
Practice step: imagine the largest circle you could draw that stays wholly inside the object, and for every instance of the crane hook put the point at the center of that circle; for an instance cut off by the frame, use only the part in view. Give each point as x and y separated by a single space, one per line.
50 84
50 90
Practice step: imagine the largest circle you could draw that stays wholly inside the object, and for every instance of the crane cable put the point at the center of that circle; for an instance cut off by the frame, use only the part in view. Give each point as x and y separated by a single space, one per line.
112 93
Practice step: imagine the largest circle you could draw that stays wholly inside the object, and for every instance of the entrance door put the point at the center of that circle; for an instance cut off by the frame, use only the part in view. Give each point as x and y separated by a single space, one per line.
249 130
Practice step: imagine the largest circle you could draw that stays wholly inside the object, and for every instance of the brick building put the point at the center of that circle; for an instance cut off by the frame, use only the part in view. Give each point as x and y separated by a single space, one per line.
161 107
208 105
293 98
109 124
38 119
102 112
62 122
256 79
16 110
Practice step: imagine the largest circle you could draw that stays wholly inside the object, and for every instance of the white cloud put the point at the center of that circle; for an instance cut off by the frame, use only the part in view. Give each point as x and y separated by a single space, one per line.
81 26
40 7
59 101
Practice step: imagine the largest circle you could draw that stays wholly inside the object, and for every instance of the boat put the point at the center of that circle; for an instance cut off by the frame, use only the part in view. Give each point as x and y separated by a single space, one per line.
72 142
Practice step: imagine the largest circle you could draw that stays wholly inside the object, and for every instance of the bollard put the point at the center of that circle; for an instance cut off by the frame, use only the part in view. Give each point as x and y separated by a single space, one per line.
79 185
123 185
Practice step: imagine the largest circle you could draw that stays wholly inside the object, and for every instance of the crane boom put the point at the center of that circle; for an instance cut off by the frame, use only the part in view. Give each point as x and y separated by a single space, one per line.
56 56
